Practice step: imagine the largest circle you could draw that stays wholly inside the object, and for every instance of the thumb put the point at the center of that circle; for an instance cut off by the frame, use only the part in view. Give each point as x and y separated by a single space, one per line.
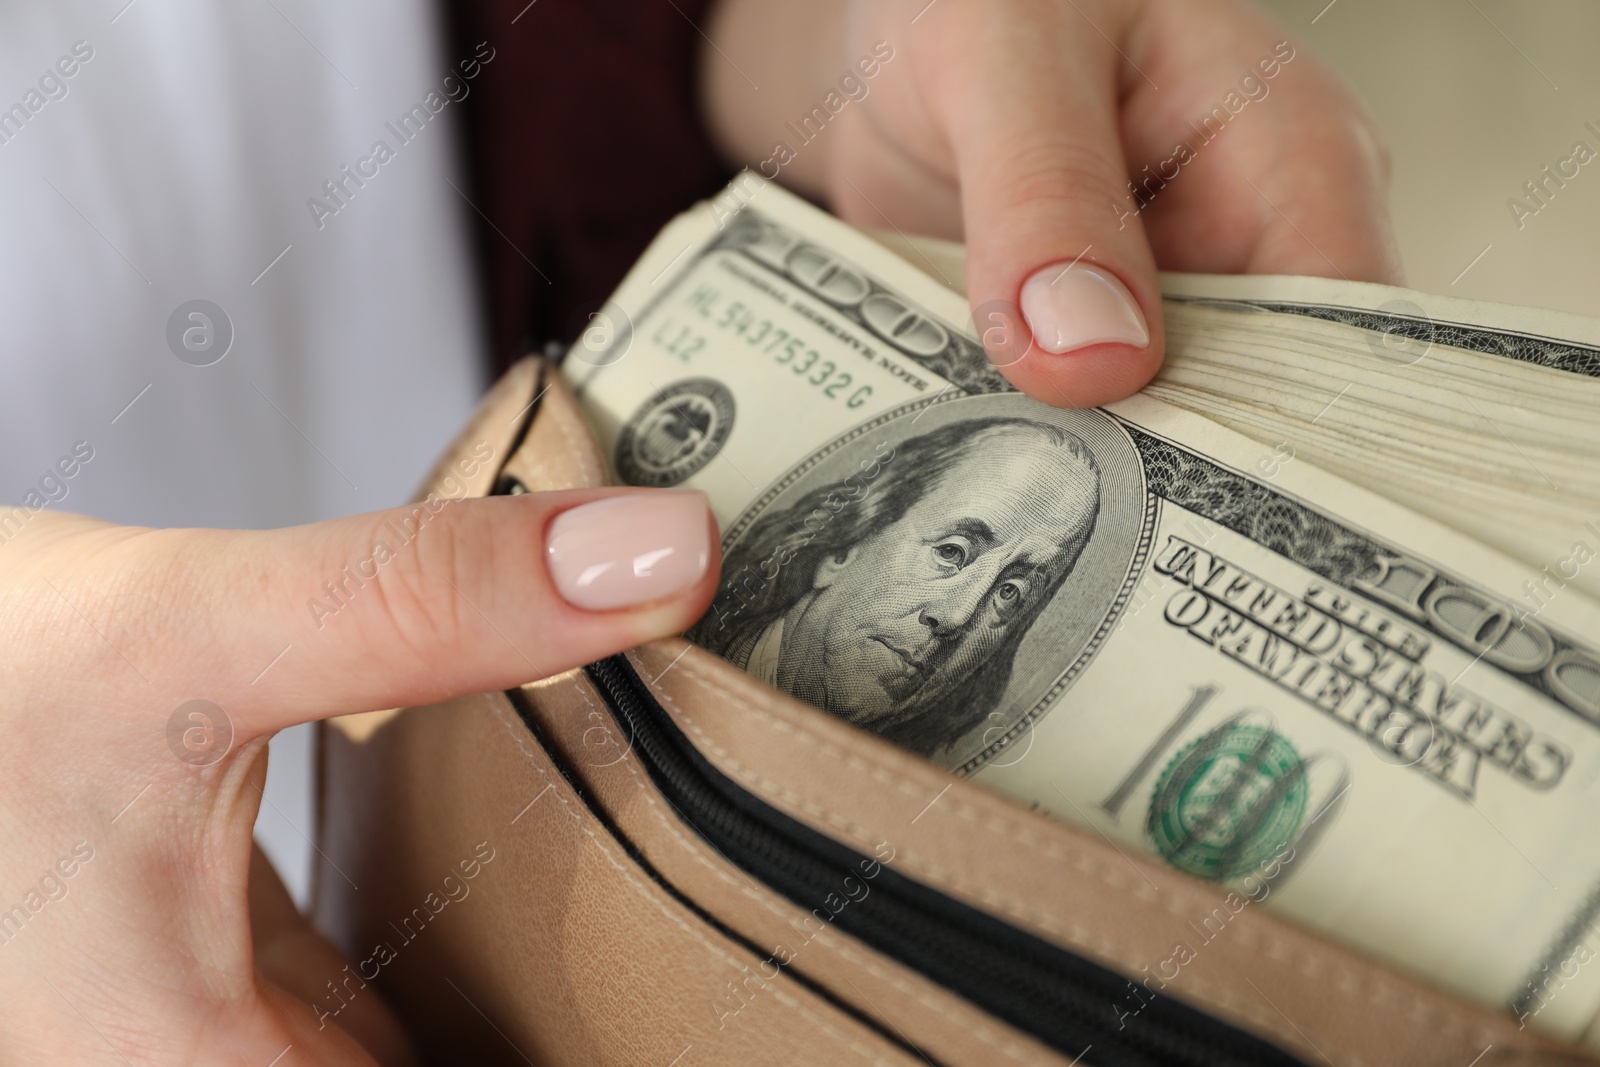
1061 277
401 607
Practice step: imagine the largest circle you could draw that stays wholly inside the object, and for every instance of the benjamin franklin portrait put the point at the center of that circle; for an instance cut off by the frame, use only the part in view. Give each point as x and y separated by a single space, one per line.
897 596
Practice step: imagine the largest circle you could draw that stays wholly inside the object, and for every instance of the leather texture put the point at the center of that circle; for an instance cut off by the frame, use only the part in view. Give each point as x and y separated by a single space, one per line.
605 930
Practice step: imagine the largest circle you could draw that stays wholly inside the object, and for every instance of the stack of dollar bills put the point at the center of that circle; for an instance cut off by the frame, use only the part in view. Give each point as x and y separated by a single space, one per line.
1483 416
1312 616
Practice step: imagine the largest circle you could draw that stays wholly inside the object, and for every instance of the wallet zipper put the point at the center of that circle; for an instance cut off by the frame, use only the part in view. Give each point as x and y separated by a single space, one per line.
1072 1004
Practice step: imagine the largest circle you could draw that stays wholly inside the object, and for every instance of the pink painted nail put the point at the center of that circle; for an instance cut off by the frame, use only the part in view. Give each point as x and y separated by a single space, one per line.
628 550
1073 305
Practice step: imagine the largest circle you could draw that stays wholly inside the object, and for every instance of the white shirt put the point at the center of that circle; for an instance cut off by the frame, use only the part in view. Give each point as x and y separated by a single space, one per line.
178 165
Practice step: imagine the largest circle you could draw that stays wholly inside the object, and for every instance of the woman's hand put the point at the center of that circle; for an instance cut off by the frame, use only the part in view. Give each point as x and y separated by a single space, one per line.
135 926
1078 145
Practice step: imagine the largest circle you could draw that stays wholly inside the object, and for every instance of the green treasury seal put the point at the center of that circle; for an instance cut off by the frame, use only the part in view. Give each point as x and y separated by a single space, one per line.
1228 802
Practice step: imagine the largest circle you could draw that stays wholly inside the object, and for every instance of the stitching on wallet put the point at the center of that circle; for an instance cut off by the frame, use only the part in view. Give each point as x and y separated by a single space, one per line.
516 729
1378 993
1075 934
985 1032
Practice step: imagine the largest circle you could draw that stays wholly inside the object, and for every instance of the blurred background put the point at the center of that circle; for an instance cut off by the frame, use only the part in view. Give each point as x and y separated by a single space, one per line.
1475 97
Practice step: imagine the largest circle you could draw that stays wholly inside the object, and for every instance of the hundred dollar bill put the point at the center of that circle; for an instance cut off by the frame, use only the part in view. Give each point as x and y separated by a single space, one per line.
1130 618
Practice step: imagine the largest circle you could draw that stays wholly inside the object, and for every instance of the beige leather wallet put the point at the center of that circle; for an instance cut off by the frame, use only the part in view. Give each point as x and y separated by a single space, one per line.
661 860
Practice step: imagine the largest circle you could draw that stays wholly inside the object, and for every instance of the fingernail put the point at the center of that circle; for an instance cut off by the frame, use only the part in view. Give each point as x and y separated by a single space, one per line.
1073 305
629 550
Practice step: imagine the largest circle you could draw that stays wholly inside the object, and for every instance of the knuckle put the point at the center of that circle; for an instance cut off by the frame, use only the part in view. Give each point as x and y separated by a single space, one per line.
1058 173
1350 129
1373 146
416 585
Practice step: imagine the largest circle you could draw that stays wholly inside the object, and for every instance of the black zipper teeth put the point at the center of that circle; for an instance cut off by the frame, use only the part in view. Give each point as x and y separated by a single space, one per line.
1061 999
519 701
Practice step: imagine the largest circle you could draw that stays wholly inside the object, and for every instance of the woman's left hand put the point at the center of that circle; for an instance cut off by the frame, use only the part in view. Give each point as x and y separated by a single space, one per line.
144 673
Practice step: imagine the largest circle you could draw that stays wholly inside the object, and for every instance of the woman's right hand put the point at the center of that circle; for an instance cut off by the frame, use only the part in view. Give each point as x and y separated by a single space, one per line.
1076 146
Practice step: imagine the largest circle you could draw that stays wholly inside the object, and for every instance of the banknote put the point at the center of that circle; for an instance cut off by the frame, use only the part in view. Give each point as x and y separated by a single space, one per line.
1129 618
